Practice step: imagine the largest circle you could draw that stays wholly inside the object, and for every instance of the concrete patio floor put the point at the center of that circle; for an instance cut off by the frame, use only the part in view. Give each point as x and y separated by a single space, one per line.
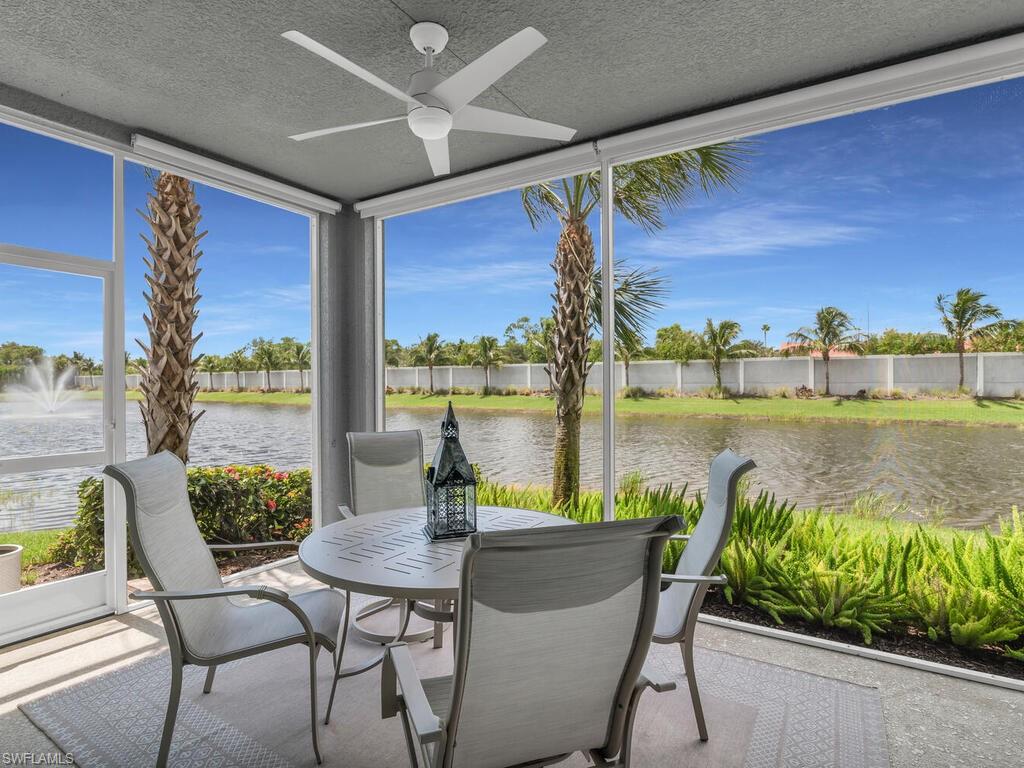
931 720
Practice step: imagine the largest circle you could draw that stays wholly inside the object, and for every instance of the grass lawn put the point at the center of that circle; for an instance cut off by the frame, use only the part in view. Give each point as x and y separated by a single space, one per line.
260 398
935 411
36 543
1002 412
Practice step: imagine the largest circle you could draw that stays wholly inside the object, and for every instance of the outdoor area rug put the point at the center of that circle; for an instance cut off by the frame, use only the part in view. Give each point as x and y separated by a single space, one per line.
759 716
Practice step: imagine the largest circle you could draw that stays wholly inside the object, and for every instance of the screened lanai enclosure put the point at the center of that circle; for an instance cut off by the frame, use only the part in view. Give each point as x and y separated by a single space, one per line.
734 487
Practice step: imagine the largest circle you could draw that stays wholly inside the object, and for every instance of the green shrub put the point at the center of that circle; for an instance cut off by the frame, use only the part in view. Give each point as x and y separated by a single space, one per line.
860 575
863 574
232 504
634 393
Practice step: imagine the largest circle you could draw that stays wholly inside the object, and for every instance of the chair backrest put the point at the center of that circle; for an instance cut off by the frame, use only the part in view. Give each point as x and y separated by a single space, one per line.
554 625
385 470
707 540
168 544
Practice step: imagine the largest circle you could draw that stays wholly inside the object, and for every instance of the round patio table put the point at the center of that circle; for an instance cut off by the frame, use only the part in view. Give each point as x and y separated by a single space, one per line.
388 554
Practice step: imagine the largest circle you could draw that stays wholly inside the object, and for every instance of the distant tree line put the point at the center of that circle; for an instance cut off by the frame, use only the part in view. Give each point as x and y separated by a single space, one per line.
970 324
260 354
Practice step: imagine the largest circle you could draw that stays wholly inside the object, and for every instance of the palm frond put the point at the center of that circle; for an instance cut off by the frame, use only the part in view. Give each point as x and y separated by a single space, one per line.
542 203
639 294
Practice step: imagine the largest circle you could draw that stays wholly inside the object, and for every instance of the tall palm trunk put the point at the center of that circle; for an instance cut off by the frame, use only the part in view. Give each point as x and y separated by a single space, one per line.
169 382
828 389
573 265
430 370
960 353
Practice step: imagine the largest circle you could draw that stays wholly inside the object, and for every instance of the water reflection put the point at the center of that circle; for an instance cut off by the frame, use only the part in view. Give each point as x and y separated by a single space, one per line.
972 475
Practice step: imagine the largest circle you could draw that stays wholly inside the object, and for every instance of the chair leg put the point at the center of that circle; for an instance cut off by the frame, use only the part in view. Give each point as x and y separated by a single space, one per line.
438 626
313 653
171 716
691 679
339 652
208 685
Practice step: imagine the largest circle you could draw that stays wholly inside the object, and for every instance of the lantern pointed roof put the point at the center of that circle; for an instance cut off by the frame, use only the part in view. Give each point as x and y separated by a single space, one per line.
449 458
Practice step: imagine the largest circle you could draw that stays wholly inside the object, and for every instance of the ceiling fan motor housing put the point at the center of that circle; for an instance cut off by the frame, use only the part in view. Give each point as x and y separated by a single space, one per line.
429 117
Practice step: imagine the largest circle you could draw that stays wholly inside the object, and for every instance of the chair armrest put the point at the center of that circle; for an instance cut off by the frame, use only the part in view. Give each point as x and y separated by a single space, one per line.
679 537
251 545
429 613
652 678
345 512
677 578
399 674
257 591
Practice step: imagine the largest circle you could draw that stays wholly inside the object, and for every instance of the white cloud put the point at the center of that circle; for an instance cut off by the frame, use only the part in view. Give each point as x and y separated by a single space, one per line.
752 230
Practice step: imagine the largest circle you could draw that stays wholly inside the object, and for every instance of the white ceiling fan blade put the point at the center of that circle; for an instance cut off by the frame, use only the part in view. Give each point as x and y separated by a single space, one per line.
480 74
337 59
471 118
437 153
342 128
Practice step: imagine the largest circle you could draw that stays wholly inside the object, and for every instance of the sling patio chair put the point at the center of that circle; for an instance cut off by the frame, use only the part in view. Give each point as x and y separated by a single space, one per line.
552 629
385 473
204 625
682 600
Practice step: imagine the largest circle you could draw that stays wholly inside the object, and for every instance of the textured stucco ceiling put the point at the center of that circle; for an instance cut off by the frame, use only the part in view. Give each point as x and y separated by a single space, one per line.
218 77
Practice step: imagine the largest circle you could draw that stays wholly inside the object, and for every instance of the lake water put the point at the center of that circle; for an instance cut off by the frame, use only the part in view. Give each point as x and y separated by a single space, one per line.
968 476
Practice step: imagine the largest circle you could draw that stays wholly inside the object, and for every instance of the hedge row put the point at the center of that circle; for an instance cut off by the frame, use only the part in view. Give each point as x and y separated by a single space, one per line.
231 504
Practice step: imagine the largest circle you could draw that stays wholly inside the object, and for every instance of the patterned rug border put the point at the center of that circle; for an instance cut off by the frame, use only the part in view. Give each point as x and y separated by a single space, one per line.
857 715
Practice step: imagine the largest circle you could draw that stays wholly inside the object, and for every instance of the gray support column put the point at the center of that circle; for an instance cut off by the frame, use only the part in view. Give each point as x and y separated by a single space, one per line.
346 345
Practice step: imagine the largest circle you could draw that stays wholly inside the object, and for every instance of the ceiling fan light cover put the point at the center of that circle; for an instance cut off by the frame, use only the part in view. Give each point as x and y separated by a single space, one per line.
429 122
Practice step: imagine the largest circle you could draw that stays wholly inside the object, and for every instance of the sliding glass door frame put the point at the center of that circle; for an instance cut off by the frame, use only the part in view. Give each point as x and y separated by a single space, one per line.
40 608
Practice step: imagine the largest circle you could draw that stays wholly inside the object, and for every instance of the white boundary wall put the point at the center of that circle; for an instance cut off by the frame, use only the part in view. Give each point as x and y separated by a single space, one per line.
992 374
1001 375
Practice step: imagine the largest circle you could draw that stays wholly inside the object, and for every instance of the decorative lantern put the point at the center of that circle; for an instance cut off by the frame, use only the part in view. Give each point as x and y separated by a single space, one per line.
451 486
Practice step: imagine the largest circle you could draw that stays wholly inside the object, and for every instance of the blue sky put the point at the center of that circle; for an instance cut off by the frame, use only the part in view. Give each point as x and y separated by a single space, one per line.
875 213
56 196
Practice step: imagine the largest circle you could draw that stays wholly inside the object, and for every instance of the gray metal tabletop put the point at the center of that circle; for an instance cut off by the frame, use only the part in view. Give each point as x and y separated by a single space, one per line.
389 554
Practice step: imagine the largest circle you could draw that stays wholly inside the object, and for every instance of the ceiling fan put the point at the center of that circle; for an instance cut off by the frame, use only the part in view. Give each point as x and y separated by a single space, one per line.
436 105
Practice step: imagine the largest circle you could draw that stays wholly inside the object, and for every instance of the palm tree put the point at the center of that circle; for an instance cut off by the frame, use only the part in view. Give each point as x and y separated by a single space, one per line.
299 355
237 361
208 364
626 350
266 357
764 329
720 343
833 331
168 382
960 317
488 355
430 352
641 190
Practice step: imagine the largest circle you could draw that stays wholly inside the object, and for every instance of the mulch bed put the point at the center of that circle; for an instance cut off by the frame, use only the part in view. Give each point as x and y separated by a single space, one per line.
226 565
914 643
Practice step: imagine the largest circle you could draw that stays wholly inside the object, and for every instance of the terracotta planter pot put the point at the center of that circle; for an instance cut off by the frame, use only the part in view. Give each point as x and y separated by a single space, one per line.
10 568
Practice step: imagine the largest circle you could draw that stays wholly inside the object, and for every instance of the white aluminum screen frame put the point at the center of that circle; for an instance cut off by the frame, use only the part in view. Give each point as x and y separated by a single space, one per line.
79 601
966 67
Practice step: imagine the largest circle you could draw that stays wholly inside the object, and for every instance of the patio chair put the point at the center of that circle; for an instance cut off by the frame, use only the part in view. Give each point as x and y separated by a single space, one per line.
385 472
552 630
204 626
682 600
